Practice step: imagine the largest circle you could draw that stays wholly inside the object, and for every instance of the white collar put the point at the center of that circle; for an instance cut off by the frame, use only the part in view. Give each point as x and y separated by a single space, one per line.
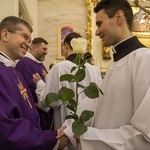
113 48
6 60
29 55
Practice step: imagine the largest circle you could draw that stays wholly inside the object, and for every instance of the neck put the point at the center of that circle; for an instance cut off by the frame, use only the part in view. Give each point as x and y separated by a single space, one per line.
69 53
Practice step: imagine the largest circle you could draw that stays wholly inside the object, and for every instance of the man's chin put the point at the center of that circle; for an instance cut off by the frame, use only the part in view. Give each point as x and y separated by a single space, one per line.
42 59
21 56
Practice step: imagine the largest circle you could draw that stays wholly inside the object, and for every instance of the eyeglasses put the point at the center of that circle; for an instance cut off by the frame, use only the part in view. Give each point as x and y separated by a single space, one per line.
24 35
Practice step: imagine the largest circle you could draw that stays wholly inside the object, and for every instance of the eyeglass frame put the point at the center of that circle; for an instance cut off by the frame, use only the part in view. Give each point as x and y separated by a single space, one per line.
24 35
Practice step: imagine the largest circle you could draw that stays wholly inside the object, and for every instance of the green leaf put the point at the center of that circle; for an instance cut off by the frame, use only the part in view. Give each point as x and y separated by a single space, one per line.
65 94
97 88
91 91
72 105
100 91
74 117
78 128
86 115
80 75
51 98
67 77
73 69
81 86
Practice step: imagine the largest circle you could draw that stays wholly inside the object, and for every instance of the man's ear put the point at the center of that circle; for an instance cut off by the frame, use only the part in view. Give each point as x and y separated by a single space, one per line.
5 35
66 45
33 47
119 16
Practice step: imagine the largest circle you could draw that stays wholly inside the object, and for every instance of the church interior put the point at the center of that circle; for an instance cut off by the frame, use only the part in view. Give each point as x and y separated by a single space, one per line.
53 20
49 17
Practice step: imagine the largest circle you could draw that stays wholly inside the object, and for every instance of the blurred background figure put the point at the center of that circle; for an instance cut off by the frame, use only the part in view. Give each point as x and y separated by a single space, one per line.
88 57
51 65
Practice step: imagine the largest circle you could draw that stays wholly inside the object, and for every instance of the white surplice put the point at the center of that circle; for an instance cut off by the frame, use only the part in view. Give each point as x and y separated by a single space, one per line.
53 84
122 116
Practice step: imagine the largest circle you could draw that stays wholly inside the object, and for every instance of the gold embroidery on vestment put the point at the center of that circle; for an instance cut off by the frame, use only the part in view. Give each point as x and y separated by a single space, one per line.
44 73
23 92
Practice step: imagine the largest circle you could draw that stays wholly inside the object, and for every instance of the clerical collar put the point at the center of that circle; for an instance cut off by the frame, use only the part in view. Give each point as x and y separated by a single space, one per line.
125 47
71 57
6 60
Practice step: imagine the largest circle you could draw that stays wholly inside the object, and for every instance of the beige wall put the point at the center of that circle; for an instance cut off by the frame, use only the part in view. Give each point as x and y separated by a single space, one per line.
11 8
31 6
8 8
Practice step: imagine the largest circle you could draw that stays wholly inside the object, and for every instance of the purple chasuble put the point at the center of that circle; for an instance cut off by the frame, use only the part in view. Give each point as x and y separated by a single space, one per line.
19 120
27 67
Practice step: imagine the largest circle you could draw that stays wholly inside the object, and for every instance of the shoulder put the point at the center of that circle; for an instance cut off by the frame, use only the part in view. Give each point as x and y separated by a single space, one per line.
7 73
64 64
3 69
143 50
140 58
24 60
62 67
93 67
141 54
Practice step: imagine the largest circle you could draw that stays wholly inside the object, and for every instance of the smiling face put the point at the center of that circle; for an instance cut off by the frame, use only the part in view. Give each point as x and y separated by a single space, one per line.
17 42
107 28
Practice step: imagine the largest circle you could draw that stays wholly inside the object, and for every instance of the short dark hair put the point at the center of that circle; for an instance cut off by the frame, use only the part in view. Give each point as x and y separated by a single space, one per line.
13 23
39 40
70 36
112 6
87 56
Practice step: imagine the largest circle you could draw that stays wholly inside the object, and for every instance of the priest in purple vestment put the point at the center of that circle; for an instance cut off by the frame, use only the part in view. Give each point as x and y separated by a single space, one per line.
31 64
19 121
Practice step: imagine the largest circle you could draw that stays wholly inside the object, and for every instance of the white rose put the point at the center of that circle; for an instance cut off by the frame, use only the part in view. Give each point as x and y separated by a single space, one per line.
79 45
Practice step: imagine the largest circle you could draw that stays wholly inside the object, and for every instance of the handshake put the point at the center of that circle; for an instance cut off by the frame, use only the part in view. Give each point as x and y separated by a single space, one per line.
63 140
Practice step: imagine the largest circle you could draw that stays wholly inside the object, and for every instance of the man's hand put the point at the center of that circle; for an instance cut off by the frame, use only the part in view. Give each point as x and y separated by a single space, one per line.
77 138
64 141
36 78
60 131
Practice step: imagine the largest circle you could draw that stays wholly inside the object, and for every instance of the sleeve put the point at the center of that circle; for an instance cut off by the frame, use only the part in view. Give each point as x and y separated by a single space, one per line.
97 75
40 89
90 105
126 137
17 132
135 136
52 84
